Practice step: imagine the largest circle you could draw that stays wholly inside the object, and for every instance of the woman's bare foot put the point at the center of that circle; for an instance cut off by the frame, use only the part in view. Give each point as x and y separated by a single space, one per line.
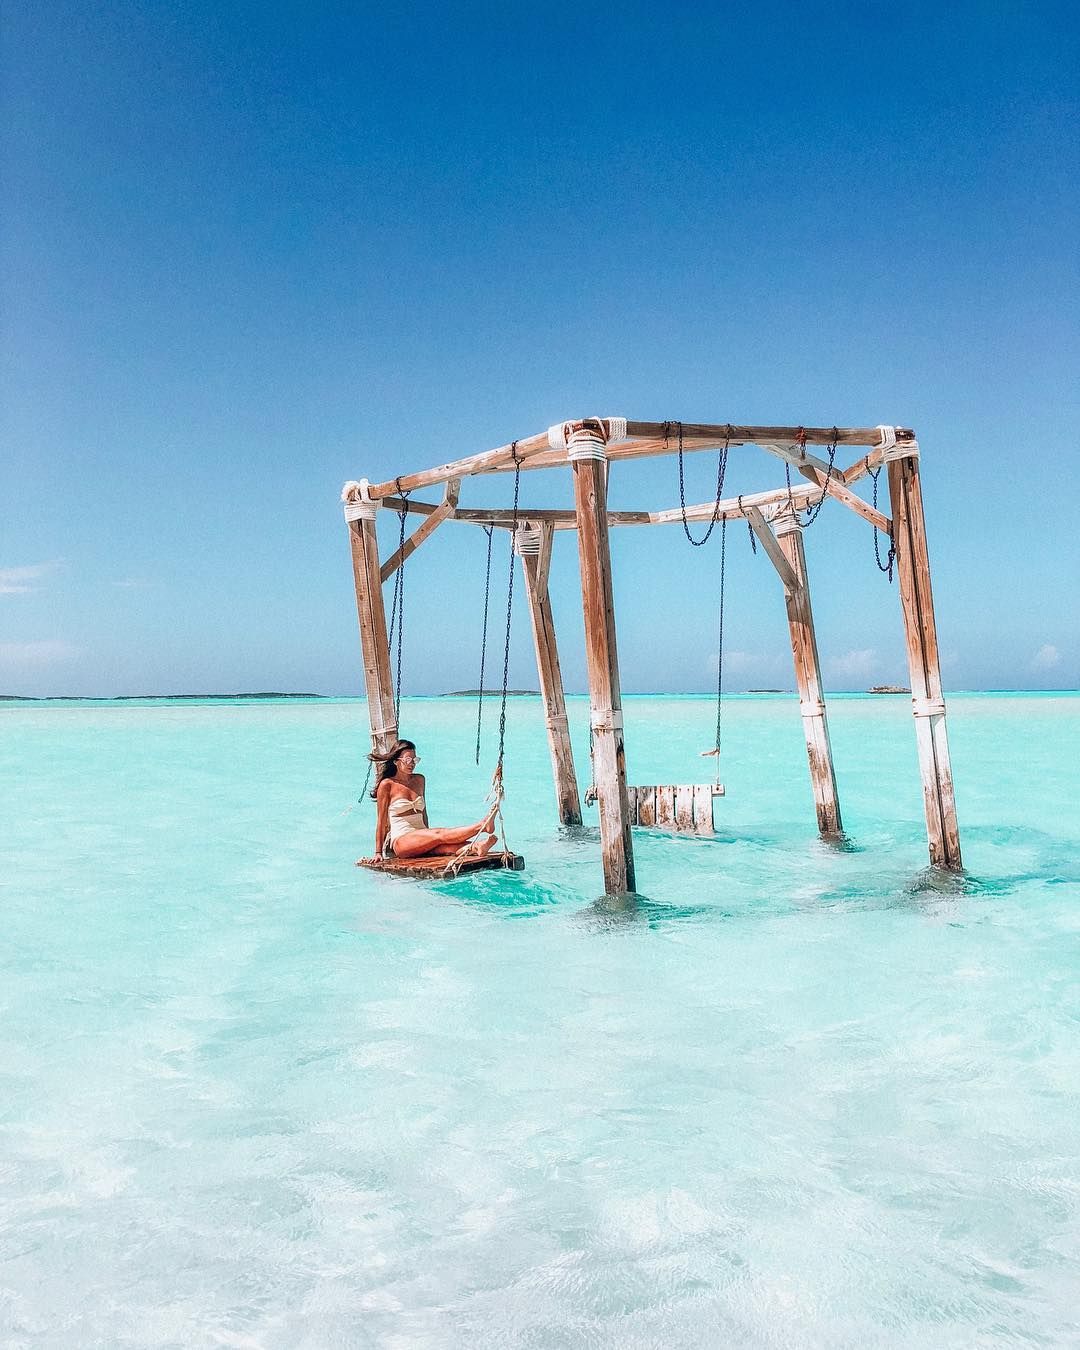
478 848
485 825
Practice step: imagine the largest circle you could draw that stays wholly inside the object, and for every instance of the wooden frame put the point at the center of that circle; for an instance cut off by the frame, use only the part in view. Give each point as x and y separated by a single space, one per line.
586 447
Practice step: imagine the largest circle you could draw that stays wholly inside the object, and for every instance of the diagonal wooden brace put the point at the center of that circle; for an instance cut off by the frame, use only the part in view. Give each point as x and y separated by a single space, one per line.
427 527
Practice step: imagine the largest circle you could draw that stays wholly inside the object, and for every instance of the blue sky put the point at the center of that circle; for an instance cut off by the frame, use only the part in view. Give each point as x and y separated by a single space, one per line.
250 251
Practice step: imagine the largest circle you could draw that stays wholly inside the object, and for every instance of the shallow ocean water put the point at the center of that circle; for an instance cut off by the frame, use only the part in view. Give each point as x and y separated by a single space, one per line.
795 1095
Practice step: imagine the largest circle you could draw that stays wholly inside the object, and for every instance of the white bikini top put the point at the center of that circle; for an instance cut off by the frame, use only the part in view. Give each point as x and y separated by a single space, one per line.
405 806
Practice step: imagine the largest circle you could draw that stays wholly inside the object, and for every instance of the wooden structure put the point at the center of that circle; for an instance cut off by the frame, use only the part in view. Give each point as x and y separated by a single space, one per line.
443 868
587 447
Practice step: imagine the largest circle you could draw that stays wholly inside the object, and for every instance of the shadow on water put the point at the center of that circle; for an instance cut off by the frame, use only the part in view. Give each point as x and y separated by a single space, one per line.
633 909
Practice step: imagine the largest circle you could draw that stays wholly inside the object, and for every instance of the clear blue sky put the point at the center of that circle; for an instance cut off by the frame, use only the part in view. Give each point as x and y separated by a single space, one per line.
252 250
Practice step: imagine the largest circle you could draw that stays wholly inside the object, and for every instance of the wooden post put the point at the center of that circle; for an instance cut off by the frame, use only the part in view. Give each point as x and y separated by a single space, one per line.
808 678
920 632
363 539
587 452
533 544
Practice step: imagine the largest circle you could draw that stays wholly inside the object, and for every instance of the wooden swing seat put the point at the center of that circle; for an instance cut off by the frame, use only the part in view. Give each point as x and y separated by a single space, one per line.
682 808
440 868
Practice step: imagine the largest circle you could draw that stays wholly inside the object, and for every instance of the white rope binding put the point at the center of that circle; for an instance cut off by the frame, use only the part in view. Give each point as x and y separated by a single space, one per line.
889 448
527 541
559 436
357 501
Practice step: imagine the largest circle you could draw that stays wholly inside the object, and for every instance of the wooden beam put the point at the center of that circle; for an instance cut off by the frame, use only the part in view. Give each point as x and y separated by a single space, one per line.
609 755
497 459
808 682
551 686
842 493
644 439
772 547
924 667
716 433
374 646
422 531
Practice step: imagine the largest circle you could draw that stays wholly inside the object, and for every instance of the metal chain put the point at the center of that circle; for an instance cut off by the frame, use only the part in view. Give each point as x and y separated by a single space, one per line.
721 471
720 647
887 567
398 602
749 529
509 610
813 512
489 530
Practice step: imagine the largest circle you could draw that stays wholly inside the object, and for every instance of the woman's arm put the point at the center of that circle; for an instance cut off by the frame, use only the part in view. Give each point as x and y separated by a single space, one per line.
422 790
382 816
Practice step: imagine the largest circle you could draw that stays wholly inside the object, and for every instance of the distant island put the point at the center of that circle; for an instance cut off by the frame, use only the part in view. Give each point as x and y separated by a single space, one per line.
768 691
491 693
137 698
888 689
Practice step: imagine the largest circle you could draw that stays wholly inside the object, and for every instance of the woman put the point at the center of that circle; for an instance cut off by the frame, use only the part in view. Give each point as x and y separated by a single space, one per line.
401 825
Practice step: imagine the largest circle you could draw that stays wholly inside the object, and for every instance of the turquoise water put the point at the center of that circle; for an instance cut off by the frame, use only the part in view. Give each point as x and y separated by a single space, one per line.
797 1096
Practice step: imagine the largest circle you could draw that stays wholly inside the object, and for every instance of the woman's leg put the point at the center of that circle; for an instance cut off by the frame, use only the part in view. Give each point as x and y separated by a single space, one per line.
425 843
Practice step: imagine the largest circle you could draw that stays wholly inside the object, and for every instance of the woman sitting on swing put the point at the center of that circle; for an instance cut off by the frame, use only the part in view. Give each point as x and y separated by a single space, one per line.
401 826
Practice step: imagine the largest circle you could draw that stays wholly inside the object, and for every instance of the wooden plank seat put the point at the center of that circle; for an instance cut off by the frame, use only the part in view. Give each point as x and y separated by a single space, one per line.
442 868
682 808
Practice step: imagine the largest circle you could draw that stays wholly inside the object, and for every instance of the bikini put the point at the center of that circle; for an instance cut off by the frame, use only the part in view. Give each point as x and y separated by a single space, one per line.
405 815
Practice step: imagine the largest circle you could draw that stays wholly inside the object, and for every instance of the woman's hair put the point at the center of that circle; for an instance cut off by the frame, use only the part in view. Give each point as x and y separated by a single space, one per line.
386 764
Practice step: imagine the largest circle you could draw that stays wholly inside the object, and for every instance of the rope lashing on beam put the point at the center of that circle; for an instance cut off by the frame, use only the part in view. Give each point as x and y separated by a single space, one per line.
527 540
356 501
890 449
609 429
928 707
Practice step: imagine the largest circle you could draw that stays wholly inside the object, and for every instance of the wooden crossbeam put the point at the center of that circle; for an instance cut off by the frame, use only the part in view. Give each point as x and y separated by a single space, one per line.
842 493
643 439
771 545
422 531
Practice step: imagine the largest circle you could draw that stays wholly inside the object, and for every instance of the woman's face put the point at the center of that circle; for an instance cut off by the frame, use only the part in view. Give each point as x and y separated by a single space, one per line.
408 760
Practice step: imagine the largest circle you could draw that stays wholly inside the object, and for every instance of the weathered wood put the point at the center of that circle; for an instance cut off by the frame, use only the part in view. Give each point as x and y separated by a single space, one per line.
703 809
772 548
609 755
645 814
665 807
841 493
684 808
442 869
808 682
924 667
497 459
644 439
736 508
428 527
551 686
374 645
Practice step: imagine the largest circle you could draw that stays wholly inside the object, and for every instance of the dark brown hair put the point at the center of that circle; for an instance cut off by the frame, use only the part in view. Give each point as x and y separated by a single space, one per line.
386 764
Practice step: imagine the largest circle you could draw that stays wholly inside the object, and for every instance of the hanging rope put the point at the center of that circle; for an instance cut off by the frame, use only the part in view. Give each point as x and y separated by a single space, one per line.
721 471
887 566
489 530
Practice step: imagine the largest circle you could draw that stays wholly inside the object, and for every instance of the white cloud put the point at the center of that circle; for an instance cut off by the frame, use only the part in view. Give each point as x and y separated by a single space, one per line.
857 664
131 584
16 580
19 655
1046 658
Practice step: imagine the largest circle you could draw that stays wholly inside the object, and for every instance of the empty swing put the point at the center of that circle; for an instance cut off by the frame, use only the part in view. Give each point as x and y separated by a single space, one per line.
687 808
